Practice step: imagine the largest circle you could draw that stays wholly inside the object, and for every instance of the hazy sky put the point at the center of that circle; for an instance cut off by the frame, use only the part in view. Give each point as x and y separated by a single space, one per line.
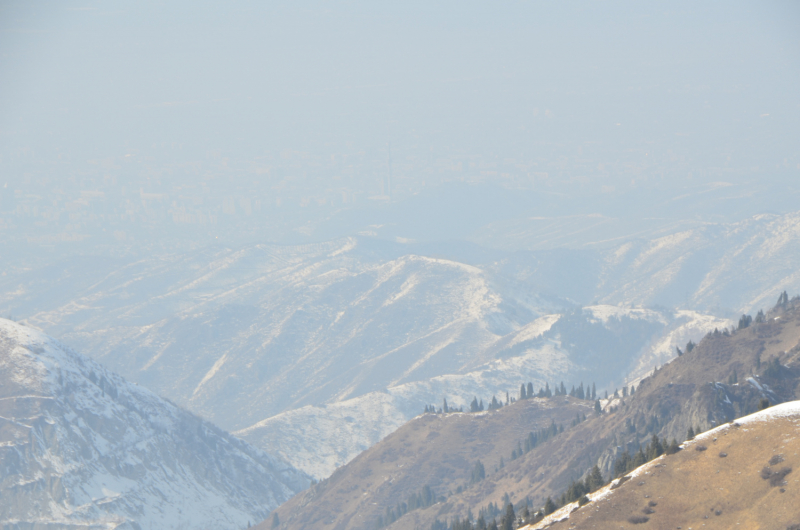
99 75
580 91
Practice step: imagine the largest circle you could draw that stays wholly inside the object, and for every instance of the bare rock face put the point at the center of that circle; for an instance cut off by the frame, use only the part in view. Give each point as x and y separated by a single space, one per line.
80 447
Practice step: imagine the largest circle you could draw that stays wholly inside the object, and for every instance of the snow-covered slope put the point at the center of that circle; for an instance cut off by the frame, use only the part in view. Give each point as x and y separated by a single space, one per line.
742 266
80 447
318 439
240 335
280 341
718 267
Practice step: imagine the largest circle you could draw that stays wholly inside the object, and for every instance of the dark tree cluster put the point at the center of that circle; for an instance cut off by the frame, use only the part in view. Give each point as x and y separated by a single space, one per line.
476 406
444 409
578 489
422 499
783 300
745 321
689 347
494 404
655 448
534 439
478 473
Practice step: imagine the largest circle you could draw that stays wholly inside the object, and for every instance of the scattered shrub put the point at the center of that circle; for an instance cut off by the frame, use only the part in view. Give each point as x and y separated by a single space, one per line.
777 477
700 448
638 519
723 455
776 459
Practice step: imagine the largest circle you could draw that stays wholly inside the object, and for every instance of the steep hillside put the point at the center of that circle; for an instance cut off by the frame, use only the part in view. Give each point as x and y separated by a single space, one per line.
727 375
739 475
80 447
438 451
284 344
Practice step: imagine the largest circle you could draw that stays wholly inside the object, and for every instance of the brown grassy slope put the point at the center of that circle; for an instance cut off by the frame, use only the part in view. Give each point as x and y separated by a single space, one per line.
435 450
701 489
441 451
678 395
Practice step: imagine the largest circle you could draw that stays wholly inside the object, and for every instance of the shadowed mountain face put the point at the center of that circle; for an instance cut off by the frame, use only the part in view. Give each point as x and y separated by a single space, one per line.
726 376
80 447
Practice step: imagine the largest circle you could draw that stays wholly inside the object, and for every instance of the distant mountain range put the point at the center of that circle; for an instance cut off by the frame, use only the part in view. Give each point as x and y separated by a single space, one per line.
82 448
298 349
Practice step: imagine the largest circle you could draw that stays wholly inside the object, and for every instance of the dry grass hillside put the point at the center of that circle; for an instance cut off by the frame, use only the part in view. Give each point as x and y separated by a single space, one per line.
727 376
436 450
739 475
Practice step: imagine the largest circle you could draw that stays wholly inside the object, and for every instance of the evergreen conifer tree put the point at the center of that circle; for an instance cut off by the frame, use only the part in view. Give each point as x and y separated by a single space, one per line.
530 389
549 506
595 479
493 525
480 406
523 394
480 524
276 521
509 518
445 410
478 472
597 407
563 389
473 407
638 459
690 433
621 463
654 448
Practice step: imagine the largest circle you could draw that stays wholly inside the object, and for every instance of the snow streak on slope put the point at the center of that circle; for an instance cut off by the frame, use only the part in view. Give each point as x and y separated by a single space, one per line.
80 447
317 440
240 335
742 266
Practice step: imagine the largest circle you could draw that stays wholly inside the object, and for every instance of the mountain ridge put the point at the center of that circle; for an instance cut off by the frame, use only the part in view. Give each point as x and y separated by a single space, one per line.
82 447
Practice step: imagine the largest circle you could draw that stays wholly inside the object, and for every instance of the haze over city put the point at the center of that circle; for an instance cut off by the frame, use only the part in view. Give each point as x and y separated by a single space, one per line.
358 265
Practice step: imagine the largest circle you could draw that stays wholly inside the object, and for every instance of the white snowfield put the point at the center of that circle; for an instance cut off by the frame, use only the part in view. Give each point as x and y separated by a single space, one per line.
80 447
790 409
